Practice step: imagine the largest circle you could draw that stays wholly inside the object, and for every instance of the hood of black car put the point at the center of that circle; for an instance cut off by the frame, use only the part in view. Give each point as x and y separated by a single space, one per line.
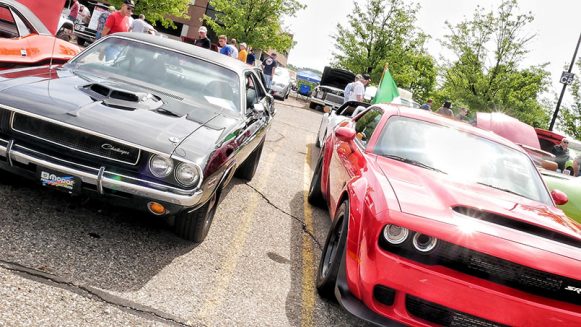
338 78
65 99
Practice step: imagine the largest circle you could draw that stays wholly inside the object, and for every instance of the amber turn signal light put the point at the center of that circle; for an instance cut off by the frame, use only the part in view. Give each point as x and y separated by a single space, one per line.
156 208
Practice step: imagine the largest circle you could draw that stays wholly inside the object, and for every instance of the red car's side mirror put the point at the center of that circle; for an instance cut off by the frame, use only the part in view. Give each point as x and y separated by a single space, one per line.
345 134
559 197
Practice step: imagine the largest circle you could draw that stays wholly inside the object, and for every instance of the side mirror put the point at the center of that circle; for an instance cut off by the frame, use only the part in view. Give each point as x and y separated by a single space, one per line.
345 134
559 197
250 98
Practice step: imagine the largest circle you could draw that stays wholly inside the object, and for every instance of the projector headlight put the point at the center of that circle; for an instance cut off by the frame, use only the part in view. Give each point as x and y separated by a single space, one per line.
188 174
160 167
395 234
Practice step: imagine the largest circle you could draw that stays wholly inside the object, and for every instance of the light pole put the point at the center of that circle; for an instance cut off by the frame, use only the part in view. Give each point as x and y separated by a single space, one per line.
566 79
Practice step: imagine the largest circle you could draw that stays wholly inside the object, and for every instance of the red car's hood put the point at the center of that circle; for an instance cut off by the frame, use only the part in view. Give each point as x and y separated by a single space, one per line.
430 194
47 11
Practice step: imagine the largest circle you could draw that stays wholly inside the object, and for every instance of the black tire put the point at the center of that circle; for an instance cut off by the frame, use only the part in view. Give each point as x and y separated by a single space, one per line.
333 253
247 170
194 225
315 196
312 105
81 42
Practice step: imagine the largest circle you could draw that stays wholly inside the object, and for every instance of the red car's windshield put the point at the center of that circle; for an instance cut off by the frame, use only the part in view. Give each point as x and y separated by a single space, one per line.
463 156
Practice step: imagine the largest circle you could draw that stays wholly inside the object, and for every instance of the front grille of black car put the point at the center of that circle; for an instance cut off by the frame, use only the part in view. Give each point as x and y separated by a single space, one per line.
75 140
494 269
444 316
4 121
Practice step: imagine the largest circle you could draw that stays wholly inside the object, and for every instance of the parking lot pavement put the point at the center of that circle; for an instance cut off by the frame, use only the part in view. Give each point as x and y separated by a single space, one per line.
64 261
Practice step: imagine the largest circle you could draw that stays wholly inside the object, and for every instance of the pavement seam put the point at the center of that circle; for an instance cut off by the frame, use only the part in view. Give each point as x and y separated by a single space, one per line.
304 226
93 293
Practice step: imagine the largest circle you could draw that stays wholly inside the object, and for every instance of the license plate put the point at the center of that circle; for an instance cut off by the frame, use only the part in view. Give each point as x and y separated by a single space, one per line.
80 28
59 181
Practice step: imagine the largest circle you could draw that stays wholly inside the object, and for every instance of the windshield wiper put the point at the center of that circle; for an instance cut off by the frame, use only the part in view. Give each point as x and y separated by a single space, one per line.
413 162
501 189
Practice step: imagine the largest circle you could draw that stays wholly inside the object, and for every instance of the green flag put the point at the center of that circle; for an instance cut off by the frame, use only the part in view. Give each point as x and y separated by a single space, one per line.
387 90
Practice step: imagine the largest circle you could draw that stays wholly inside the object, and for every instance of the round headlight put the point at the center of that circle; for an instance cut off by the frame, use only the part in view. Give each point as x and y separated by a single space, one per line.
424 243
395 234
187 174
160 167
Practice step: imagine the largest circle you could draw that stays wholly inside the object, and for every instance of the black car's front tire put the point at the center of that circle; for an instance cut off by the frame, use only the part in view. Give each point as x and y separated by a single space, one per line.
333 253
195 225
247 170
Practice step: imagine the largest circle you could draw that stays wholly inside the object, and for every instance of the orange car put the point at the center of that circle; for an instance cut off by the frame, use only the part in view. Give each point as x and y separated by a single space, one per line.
27 30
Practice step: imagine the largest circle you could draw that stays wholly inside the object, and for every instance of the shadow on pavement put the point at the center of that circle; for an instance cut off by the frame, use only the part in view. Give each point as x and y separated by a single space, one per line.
93 243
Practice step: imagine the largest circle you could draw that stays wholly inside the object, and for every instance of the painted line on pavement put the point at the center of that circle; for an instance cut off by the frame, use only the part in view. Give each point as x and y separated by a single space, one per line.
308 281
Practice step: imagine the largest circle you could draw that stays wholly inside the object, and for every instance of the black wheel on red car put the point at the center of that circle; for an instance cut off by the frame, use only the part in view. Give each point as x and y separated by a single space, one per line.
81 42
333 252
248 168
194 225
315 196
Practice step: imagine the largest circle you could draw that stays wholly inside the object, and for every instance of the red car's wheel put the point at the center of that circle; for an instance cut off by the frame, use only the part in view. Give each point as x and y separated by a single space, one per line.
333 252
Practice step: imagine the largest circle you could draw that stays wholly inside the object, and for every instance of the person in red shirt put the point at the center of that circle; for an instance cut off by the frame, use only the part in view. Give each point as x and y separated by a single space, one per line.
74 12
117 21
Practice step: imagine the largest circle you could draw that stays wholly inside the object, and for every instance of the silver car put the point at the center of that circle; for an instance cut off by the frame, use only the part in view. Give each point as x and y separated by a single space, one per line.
281 83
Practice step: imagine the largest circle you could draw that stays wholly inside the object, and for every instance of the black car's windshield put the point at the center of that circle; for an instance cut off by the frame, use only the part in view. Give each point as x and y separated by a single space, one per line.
160 68
462 156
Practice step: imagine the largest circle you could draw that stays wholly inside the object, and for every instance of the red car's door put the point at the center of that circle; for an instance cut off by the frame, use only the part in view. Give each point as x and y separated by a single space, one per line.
348 158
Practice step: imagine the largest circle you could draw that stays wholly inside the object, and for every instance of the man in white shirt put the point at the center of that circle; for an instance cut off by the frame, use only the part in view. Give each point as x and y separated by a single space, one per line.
140 25
358 91
349 88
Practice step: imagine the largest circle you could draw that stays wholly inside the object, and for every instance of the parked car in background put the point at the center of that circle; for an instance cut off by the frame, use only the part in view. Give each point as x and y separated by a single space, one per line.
436 222
548 139
330 91
569 185
26 40
144 122
65 27
281 83
86 33
334 117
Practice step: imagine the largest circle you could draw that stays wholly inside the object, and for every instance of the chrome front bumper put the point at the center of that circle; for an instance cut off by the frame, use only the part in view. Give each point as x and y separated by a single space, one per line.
100 178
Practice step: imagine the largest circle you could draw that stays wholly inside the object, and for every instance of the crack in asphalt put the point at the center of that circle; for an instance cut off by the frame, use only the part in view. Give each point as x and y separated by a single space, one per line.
304 226
296 127
94 293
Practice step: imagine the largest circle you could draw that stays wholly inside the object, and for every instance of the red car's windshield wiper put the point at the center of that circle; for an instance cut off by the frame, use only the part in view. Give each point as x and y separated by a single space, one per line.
502 189
413 162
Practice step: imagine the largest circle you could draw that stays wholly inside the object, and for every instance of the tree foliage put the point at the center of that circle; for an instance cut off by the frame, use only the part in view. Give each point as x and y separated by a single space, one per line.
256 22
485 74
159 11
571 117
383 31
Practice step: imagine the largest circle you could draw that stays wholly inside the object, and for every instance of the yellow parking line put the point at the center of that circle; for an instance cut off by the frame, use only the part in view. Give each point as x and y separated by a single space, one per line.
308 281
226 272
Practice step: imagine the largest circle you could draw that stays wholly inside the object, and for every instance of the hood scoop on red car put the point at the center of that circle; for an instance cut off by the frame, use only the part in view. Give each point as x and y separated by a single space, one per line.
122 99
518 225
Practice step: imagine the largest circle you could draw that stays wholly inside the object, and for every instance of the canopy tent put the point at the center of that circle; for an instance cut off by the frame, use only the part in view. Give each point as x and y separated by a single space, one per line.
309 76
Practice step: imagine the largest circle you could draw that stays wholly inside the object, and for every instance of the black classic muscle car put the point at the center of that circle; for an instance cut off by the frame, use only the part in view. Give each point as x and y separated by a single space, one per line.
146 122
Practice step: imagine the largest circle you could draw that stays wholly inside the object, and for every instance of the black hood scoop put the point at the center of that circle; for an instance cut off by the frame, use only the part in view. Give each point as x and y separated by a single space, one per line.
122 99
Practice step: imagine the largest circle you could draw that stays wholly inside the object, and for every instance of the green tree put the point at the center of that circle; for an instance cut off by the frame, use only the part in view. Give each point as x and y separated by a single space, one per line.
485 74
383 31
571 117
256 22
157 11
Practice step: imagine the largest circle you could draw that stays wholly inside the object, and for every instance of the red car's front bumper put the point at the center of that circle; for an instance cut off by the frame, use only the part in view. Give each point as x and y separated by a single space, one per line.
422 295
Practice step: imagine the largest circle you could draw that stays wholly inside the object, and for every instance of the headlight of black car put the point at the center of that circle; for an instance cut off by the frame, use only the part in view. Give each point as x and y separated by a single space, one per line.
188 174
160 167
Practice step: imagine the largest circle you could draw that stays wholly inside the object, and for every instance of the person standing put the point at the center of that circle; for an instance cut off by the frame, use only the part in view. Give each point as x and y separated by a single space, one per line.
561 152
74 12
358 92
427 105
242 54
349 88
203 41
84 15
227 49
463 115
117 21
140 25
268 68
445 110
251 58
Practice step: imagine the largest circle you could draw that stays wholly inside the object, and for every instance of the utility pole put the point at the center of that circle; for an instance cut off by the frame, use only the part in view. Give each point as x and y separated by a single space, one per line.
567 79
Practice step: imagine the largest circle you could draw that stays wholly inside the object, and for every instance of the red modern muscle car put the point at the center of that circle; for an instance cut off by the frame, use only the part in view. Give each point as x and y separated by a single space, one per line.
27 29
436 222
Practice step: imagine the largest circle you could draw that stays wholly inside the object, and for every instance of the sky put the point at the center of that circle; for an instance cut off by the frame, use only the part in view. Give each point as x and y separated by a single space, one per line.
556 25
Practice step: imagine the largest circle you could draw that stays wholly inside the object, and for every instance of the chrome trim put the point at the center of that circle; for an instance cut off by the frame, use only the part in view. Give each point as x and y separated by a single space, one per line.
9 152
163 193
26 113
100 180
71 148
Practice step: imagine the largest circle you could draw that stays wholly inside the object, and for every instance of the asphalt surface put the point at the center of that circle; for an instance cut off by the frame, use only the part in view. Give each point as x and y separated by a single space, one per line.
67 262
